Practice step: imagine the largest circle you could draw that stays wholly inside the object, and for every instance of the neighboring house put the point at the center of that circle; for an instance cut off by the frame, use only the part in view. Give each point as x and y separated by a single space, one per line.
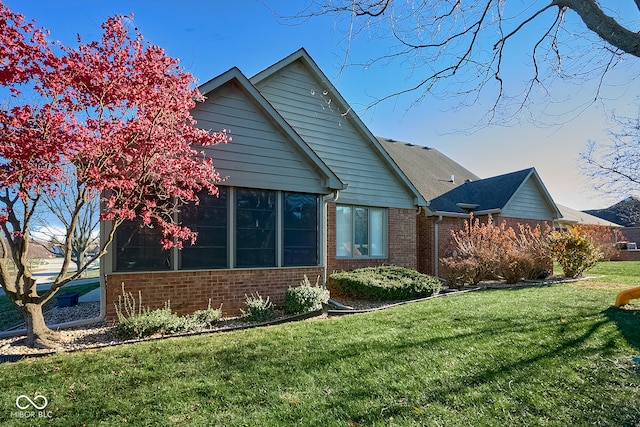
626 213
573 217
309 191
454 193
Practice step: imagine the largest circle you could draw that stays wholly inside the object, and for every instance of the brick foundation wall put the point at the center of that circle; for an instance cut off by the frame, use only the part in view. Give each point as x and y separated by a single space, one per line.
190 290
402 242
632 255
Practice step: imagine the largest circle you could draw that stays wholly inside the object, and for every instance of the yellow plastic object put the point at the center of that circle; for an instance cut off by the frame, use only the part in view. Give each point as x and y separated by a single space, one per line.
627 295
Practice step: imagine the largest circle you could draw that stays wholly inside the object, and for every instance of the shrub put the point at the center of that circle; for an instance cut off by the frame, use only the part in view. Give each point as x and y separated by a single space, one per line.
603 238
515 264
257 309
206 318
488 250
151 322
458 271
384 283
305 297
136 321
574 251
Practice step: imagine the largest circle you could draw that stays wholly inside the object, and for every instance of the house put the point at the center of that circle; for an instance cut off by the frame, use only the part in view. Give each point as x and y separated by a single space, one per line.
309 190
626 213
454 193
572 217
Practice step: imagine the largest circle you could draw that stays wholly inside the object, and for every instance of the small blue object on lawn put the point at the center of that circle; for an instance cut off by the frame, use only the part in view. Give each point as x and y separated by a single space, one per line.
68 300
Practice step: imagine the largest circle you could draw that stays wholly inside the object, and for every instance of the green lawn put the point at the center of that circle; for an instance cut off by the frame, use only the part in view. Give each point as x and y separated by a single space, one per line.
557 355
626 273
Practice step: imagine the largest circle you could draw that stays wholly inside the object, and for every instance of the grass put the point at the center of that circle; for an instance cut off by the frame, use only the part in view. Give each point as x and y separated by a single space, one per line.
623 273
10 315
557 355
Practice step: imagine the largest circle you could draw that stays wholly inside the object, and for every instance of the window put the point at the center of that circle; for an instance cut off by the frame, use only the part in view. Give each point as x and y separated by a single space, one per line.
209 220
138 248
300 229
255 228
240 228
361 232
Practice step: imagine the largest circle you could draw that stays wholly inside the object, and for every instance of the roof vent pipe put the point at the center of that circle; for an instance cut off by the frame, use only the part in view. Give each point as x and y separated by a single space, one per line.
453 179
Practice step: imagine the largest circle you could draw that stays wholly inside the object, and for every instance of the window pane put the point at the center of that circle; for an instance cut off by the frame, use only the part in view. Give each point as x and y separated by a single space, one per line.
300 229
377 232
344 247
361 224
209 220
255 228
138 248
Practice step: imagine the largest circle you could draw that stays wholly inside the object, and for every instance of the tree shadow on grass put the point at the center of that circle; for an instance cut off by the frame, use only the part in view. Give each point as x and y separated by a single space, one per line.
628 323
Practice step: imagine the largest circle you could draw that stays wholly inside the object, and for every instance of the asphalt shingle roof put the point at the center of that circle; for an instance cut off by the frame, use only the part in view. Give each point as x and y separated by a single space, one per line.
485 194
428 169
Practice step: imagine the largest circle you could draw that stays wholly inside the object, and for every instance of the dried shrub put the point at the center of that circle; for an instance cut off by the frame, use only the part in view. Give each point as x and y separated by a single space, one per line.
484 250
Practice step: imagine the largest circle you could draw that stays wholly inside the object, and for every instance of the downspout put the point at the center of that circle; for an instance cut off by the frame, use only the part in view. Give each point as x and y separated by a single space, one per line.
436 245
331 199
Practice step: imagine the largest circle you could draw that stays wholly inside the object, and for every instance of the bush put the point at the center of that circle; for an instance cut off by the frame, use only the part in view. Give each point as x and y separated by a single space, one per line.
495 251
151 322
206 318
305 297
603 238
574 251
458 271
135 321
257 309
384 283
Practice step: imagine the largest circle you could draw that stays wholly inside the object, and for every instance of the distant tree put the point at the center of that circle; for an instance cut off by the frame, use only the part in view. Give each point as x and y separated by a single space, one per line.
113 112
61 206
615 167
461 47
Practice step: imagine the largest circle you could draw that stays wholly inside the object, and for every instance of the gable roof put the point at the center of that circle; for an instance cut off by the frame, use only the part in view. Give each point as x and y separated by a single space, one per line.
626 212
337 103
242 83
572 216
491 194
428 169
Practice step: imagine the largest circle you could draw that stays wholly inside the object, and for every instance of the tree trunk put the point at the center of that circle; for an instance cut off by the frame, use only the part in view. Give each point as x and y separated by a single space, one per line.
38 334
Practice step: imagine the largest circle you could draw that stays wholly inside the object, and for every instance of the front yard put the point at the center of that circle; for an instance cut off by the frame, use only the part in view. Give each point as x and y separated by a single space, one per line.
554 355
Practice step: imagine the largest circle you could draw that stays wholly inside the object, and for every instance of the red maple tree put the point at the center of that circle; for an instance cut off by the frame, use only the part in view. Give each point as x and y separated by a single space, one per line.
116 112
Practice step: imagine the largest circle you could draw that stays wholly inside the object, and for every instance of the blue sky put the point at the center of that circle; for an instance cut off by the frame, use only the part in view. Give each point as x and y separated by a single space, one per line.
209 37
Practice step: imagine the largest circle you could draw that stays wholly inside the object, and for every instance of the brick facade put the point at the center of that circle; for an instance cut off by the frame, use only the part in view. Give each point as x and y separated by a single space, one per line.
402 242
190 290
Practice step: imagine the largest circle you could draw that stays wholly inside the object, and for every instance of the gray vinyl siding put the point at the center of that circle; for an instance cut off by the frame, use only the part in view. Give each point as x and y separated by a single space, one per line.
307 106
528 202
260 154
